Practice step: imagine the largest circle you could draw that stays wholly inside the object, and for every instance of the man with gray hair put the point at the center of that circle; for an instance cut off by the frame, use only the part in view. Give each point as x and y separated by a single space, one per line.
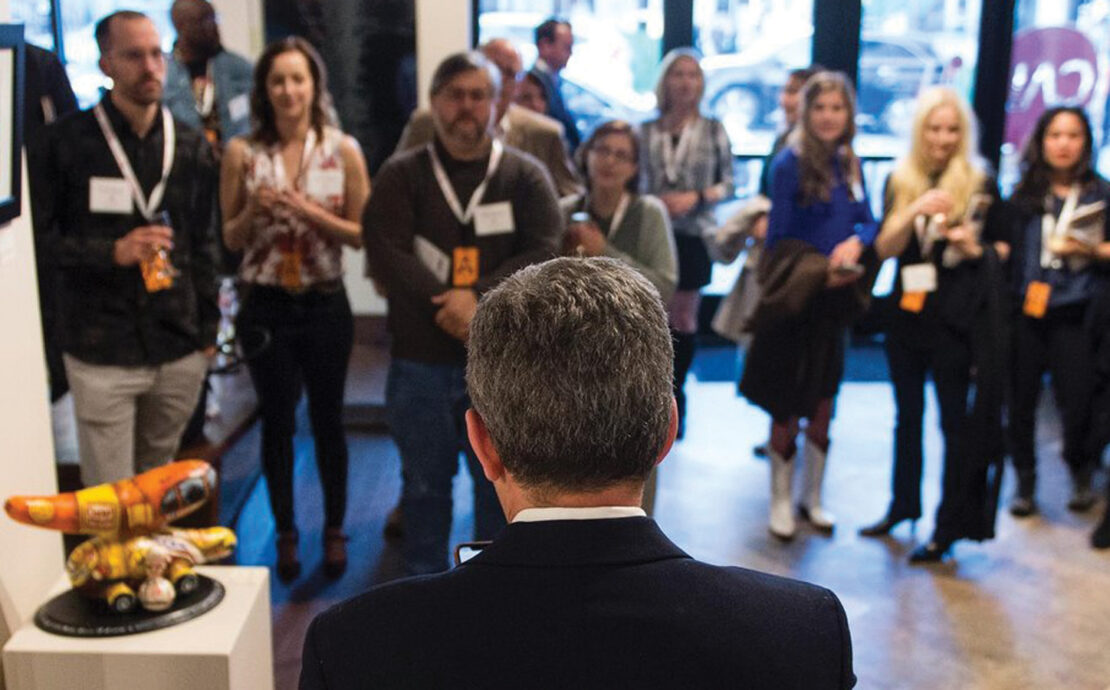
517 126
446 223
569 369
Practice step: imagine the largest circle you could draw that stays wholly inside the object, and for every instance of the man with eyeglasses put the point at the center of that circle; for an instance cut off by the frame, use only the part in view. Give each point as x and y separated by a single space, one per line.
127 222
446 223
517 126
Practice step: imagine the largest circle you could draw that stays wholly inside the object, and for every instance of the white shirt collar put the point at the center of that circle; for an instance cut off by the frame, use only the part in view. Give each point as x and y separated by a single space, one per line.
542 66
593 513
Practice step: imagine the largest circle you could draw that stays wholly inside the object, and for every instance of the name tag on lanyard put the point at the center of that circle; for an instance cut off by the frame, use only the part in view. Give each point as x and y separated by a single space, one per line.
147 206
494 218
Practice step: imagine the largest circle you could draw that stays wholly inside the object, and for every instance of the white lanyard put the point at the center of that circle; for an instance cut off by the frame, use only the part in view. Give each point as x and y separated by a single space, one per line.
503 126
1053 227
673 156
279 161
618 214
208 96
449 192
146 206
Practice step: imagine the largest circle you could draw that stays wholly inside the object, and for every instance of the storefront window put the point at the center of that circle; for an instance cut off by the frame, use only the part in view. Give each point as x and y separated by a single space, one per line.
1059 57
35 17
905 46
616 56
750 46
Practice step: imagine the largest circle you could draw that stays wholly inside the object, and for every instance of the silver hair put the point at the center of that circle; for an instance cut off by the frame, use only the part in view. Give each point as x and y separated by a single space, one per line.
569 364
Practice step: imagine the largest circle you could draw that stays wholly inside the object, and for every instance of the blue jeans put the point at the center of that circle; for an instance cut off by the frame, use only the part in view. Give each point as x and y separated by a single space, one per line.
426 406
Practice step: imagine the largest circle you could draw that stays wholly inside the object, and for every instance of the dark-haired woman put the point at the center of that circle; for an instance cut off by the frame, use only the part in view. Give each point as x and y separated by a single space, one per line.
621 223
1060 266
292 195
687 163
820 225
943 221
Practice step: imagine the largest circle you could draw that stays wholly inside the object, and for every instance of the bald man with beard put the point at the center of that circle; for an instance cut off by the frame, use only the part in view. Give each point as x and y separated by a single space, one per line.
207 87
515 125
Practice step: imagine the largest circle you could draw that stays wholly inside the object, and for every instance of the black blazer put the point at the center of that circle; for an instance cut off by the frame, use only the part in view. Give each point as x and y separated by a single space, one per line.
583 604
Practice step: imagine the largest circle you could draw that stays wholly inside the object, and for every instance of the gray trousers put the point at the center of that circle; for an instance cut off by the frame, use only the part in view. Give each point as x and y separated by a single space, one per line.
130 419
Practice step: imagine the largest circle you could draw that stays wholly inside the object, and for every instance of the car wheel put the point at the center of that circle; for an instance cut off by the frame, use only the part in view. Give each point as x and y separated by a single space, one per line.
187 584
124 603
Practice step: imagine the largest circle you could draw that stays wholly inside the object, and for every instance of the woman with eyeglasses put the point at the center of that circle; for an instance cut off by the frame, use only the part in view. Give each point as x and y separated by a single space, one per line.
1061 267
292 195
945 224
613 220
687 163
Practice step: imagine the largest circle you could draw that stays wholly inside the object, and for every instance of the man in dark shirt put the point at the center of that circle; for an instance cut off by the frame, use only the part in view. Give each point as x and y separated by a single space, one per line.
127 220
448 221
47 96
569 370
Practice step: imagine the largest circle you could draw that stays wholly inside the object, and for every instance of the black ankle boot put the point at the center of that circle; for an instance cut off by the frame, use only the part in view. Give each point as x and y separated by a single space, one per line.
1100 538
933 552
883 526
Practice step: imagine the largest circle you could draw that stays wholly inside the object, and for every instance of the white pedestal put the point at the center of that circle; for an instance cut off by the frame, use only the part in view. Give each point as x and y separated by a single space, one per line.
227 648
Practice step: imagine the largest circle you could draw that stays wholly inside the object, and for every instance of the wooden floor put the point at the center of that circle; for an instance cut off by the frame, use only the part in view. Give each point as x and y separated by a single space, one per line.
1030 609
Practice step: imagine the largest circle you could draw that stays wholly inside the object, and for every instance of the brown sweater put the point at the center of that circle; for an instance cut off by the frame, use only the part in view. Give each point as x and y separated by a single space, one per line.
407 202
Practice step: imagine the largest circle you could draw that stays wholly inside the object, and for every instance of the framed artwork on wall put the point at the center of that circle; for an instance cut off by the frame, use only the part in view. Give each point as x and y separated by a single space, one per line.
11 119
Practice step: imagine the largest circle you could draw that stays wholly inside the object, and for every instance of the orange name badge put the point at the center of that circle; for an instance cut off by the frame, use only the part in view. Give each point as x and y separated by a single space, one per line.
465 267
912 302
289 272
1036 299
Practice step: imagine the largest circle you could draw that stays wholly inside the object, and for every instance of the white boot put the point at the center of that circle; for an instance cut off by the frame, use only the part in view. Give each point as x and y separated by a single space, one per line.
812 478
781 523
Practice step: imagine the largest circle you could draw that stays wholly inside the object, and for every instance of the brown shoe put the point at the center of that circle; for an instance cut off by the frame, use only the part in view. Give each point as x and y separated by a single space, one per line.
335 552
288 565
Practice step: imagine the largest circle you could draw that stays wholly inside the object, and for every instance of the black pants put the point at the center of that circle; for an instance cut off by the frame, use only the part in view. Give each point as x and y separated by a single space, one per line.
311 335
1059 344
948 357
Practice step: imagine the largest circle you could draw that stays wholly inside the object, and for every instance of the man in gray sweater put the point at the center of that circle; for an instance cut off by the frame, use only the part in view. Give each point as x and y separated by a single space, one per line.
446 223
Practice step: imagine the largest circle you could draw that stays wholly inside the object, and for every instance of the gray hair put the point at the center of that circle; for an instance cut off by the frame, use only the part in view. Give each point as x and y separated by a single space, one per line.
454 65
569 364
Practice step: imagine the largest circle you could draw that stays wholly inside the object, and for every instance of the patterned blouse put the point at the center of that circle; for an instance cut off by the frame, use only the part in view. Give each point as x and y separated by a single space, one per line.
704 160
286 250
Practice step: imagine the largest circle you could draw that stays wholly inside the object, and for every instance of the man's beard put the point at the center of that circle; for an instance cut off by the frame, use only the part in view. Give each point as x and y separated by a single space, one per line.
466 135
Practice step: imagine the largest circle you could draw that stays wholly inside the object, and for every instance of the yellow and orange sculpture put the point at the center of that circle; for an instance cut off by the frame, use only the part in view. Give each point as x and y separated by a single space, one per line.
134 556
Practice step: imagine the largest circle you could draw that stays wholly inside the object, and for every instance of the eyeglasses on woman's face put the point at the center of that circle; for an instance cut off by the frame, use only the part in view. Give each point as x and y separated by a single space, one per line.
619 155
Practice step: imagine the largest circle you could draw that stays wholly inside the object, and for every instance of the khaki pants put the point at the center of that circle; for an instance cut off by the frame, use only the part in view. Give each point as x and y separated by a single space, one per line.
130 419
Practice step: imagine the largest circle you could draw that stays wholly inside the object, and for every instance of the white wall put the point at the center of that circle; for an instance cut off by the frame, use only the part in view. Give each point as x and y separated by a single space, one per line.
442 28
30 559
241 29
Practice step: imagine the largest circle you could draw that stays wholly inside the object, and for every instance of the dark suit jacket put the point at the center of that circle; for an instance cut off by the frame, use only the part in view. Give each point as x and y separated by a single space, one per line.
530 132
556 108
583 604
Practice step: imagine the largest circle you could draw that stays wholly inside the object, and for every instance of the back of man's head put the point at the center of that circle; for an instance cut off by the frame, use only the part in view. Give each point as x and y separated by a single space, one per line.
569 366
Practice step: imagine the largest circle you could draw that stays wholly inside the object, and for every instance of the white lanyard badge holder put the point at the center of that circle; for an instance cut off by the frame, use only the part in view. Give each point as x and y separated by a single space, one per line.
157 271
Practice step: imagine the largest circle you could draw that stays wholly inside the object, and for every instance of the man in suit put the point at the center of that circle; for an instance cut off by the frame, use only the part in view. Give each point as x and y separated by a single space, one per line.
569 372
515 125
554 44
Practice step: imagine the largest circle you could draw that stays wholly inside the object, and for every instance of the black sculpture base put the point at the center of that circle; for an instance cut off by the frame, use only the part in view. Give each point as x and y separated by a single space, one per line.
75 615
